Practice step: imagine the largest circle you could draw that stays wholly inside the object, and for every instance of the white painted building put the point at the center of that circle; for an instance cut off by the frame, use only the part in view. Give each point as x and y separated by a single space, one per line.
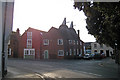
92 47
96 47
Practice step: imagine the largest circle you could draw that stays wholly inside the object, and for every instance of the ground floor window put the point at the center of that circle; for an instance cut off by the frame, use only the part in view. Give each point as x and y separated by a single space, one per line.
67 54
74 51
77 51
70 51
9 51
29 53
60 53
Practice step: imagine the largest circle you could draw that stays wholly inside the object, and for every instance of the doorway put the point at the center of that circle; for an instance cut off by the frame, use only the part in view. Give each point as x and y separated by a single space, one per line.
107 53
46 55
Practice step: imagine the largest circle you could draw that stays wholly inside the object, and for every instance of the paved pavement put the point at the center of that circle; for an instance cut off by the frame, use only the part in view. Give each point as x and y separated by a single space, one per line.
19 68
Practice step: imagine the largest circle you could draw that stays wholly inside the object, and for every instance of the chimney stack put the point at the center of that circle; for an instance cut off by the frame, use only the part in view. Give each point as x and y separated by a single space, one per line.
78 33
71 25
18 31
64 21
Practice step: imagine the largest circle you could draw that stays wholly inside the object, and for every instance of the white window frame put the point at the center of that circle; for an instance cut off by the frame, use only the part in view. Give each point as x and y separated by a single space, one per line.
45 41
74 51
28 40
9 51
73 42
80 43
29 44
29 52
77 43
60 51
70 51
61 41
29 34
70 41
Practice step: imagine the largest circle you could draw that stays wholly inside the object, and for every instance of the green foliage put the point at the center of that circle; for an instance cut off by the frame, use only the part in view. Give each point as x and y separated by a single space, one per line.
103 21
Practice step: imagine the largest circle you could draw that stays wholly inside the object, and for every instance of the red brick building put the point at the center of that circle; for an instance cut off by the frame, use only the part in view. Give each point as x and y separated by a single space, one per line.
13 45
31 44
58 43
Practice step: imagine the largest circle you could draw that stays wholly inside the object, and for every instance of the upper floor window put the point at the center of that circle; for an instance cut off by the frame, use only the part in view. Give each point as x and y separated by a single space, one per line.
60 41
80 43
29 35
60 53
29 43
73 42
77 42
70 41
95 45
46 42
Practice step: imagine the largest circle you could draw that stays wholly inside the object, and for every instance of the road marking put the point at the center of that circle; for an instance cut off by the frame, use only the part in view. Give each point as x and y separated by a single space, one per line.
88 73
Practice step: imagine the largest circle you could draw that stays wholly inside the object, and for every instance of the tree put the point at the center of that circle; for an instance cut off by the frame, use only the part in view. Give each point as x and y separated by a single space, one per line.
103 21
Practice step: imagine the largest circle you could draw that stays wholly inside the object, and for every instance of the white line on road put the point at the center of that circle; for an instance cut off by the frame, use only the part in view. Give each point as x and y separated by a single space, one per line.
88 73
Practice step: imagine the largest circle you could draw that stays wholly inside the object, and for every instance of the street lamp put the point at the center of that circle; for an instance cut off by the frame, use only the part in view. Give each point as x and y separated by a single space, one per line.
116 54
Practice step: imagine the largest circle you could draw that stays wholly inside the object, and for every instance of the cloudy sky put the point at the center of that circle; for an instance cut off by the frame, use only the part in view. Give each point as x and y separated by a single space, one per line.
44 14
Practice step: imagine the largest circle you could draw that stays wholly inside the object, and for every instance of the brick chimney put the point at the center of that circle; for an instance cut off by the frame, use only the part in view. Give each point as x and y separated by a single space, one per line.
64 21
18 31
78 33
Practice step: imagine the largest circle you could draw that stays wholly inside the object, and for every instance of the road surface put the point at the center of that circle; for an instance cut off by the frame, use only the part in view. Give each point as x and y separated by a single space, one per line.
105 68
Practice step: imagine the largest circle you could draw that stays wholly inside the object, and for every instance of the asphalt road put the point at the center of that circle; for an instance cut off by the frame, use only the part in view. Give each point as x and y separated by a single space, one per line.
105 68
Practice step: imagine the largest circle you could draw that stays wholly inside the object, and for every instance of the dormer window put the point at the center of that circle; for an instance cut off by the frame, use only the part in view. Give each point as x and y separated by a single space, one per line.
46 42
60 41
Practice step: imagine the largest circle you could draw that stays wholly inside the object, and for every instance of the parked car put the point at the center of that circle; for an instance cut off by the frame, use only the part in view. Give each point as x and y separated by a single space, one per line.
103 55
97 56
92 55
87 56
80 56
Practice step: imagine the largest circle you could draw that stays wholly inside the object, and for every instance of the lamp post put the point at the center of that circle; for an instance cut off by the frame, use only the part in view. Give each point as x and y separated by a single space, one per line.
116 54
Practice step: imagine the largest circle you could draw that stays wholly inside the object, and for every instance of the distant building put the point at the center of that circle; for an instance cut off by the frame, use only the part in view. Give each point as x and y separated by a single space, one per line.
57 43
92 47
13 44
62 43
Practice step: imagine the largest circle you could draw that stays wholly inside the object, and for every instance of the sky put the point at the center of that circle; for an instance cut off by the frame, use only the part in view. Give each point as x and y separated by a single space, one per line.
44 14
